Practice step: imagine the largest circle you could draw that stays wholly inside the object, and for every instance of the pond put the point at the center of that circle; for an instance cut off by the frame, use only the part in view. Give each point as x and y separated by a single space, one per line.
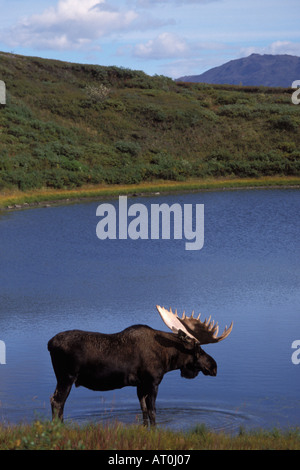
56 274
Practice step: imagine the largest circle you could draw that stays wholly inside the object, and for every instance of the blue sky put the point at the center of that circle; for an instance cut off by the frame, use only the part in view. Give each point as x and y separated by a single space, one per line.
169 37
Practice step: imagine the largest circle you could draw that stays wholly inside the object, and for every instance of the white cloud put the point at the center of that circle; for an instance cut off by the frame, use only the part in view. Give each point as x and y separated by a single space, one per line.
172 46
70 24
166 45
277 47
149 3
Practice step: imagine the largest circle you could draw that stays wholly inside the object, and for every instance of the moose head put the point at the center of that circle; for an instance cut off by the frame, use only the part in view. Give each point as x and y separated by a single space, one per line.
193 330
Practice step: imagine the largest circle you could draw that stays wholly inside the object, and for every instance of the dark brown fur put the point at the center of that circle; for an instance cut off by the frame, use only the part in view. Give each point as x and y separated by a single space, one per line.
139 356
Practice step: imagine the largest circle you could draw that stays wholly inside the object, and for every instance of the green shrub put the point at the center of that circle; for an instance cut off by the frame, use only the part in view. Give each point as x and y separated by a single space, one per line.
236 111
220 154
285 123
131 148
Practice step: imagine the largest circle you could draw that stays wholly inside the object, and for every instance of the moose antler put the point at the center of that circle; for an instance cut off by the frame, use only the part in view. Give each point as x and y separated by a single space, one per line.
203 332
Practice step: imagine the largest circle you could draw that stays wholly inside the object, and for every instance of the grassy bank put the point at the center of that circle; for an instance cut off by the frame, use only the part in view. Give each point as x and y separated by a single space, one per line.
56 436
12 199
69 125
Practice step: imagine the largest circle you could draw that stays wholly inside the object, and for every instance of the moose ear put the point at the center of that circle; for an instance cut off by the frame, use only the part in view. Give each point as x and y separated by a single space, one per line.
185 337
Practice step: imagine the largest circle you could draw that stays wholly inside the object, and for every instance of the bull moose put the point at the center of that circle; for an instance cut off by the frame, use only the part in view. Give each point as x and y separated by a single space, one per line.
138 356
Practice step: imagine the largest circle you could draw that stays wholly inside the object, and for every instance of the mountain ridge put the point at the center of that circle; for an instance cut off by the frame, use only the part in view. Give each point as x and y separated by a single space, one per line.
255 70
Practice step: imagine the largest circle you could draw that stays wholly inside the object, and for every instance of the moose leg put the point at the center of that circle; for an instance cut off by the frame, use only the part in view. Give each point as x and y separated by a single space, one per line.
142 399
147 396
59 397
150 402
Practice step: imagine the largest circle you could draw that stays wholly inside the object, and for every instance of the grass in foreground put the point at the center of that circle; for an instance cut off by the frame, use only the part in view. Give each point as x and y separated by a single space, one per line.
47 435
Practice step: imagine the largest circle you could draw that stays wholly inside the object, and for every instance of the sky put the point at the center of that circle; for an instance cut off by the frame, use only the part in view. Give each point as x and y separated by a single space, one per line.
164 37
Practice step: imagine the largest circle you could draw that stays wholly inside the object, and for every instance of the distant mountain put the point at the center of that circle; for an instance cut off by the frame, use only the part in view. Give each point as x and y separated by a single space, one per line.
255 70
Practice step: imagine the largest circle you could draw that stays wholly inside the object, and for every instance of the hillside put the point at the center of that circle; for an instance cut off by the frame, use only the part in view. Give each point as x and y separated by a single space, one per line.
255 70
67 125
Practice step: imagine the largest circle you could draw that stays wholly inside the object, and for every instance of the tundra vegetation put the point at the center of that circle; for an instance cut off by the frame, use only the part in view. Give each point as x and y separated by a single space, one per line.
55 435
68 126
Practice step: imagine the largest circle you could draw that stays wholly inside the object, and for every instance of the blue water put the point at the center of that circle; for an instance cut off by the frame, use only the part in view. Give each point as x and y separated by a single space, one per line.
55 274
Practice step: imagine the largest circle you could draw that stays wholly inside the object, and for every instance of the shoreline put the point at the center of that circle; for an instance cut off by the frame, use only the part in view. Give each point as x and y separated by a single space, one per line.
16 200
